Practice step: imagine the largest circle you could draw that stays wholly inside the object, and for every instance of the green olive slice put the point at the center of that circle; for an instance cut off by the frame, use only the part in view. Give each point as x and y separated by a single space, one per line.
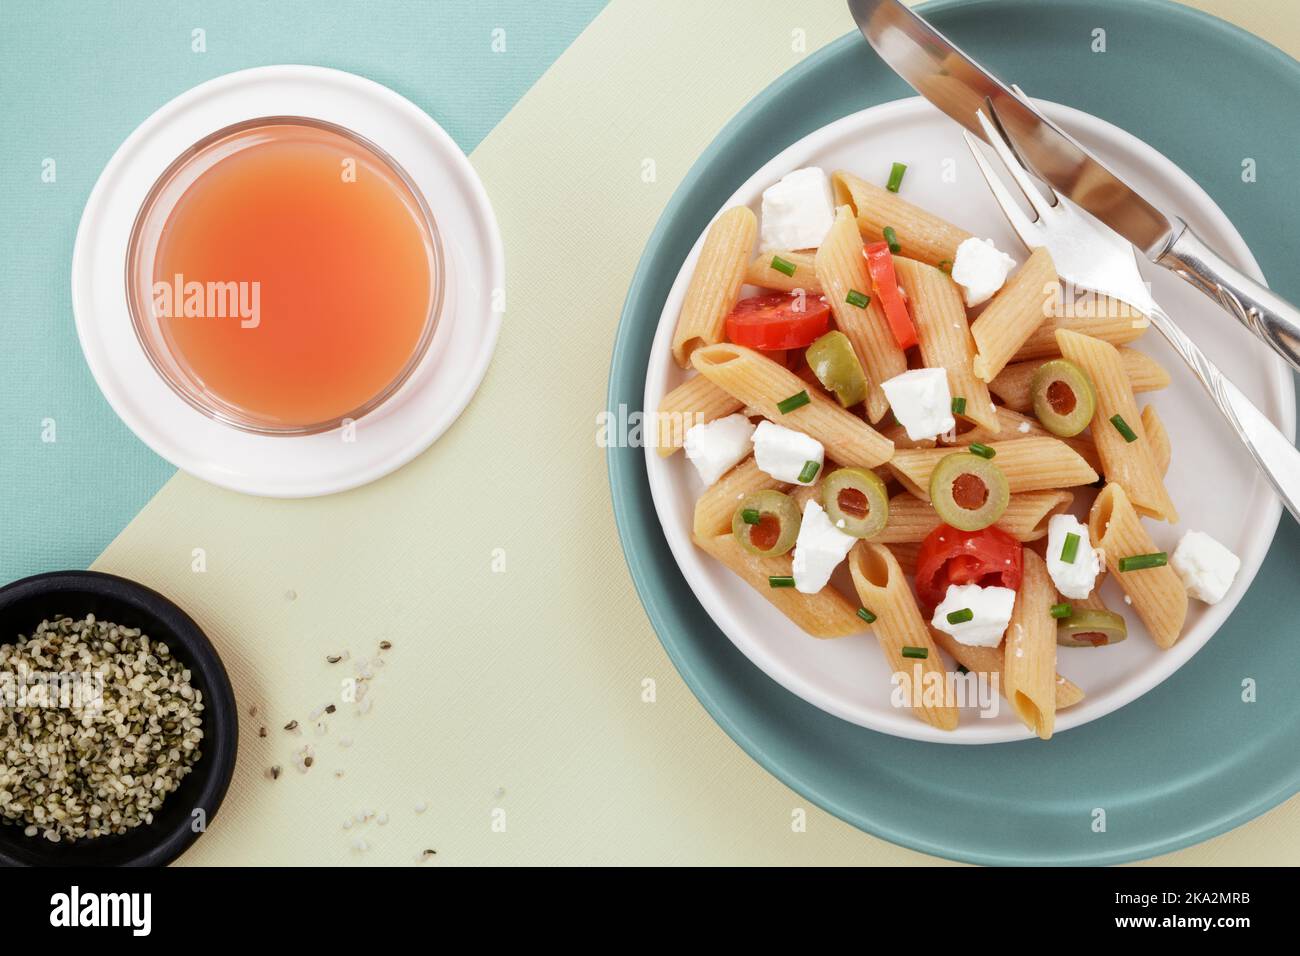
836 366
968 492
772 525
856 501
1087 627
1064 399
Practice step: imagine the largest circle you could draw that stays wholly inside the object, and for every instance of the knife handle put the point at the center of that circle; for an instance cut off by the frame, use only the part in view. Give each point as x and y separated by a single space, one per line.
1265 313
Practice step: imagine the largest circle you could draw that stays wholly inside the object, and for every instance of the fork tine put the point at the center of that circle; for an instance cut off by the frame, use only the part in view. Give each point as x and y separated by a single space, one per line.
1029 231
997 139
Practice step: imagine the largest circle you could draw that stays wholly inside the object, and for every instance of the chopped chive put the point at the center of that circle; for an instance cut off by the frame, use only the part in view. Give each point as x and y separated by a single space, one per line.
920 653
896 177
1140 562
984 451
1062 610
1070 549
797 400
962 616
784 266
857 299
780 581
891 237
963 669
945 265
809 472
959 406
866 615
1121 426
751 516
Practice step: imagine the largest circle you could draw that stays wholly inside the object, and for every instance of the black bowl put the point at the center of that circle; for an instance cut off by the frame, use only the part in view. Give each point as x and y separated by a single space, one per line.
23 605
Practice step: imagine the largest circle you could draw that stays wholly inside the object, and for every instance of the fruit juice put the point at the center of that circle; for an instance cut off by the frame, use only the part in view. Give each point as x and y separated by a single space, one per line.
332 266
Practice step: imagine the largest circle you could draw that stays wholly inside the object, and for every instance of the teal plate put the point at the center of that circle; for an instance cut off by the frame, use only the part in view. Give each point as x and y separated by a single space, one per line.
1188 760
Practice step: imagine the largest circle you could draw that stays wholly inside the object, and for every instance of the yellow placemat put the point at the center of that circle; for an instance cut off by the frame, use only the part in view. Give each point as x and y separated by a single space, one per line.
509 721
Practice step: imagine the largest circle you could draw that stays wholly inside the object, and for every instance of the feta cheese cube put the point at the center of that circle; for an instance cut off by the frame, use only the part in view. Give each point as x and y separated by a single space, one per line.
1074 579
1206 567
783 452
991 609
921 402
714 447
980 269
818 550
797 211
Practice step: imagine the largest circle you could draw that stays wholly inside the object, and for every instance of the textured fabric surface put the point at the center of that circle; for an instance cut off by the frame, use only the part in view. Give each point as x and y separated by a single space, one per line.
525 703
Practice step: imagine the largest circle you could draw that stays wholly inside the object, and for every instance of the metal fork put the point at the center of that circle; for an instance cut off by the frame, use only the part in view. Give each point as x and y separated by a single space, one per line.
1090 256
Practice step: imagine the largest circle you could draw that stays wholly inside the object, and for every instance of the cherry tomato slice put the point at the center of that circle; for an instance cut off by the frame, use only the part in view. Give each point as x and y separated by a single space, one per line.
988 557
884 282
778 320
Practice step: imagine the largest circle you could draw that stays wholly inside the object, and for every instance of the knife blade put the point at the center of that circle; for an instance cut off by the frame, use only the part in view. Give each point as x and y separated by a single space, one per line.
938 70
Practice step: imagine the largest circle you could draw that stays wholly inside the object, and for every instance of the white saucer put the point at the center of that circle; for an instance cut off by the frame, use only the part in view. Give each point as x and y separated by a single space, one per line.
429 401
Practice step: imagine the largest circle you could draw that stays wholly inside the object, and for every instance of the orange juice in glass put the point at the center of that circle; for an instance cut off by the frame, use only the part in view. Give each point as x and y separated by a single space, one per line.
285 276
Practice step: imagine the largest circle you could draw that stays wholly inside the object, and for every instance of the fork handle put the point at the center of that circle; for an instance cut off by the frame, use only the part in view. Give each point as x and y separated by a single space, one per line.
1273 452
1265 313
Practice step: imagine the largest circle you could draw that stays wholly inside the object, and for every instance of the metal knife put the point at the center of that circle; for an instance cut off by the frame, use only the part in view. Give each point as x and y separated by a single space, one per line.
959 86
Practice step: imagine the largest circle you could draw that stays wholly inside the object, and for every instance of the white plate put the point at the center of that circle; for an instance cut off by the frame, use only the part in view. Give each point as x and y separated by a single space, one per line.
439 388
1211 478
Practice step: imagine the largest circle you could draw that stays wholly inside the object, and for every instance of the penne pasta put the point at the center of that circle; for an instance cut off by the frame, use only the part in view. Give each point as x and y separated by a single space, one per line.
1026 517
761 273
1029 512
1035 463
1019 308
1129 463
1157 594
1029 653
691 403
1111 321
1012 384
898 435
717 506
715 285
1093 601
884 592
1161 448
1010 425
825 614
945 339
921 235
761 384
988 661
842 269
906 555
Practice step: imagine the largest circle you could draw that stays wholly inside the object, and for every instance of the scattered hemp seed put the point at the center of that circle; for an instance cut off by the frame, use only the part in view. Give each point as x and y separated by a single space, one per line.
275 773
333 658
385 645
291 726
105 726
330 708
261 731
